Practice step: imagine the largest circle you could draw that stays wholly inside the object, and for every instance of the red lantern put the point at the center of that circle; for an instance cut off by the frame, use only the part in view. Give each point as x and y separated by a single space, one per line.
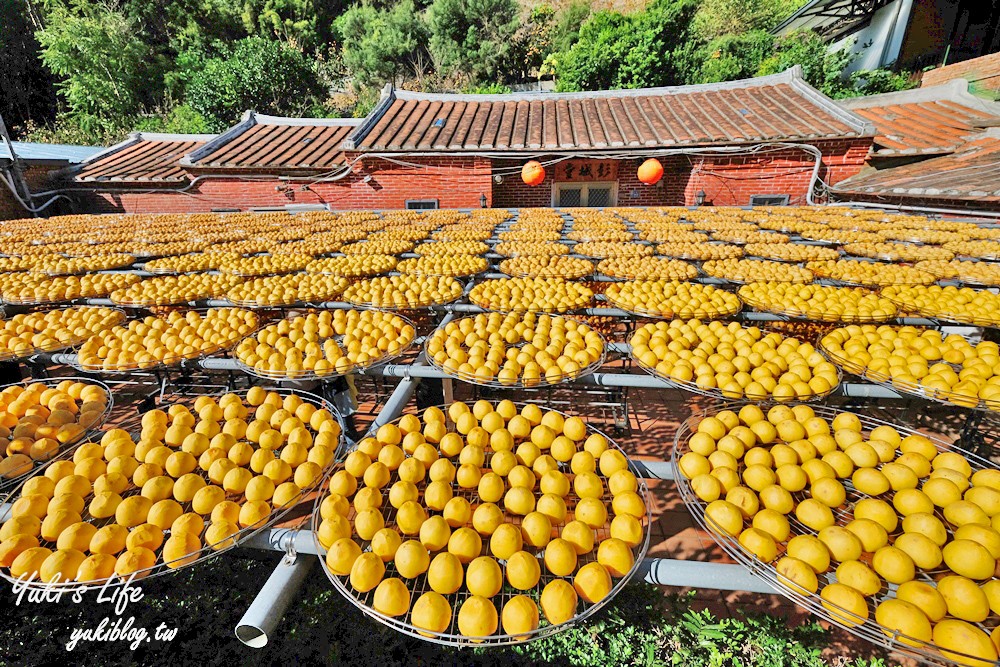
533 173
650 171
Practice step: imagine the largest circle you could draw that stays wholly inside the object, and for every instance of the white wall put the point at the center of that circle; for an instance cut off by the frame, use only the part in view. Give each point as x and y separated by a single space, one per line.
885 32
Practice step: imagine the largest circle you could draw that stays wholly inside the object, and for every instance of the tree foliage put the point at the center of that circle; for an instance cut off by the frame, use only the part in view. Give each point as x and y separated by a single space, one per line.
735 56
716 18
630 50
256 73
90 70
109 75
568 21
302 24
474 39
383 44
26 93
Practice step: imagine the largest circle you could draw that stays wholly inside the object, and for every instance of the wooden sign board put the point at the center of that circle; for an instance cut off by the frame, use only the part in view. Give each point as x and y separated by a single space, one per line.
582 171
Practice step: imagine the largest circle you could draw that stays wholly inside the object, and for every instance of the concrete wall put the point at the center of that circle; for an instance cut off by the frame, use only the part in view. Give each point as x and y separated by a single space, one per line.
885 35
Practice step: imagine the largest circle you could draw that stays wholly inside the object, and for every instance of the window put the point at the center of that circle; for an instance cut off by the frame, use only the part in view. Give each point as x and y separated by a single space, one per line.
769 200
421 204
584 194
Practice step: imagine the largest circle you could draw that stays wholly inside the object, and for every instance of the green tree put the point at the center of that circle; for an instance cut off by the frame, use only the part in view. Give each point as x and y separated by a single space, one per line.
303 24
256 73
380 45
474 39
823 69
109 75
567 26
533 42
873 82
737 56
648 48
716 18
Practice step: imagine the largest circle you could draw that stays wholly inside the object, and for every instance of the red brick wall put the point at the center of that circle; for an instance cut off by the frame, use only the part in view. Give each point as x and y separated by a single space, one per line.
513 192
37 178
729 181
983 72
458 182
454 182
726 180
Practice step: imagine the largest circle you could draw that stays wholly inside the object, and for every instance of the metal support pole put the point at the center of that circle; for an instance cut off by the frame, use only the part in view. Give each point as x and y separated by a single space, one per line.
262 617
702 575
267 608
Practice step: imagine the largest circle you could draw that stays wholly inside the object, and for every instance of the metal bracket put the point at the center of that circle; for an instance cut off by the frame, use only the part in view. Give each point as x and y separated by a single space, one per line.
290 553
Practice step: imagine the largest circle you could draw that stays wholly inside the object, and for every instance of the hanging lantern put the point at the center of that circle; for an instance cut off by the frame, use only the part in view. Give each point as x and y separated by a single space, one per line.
650 171
533 173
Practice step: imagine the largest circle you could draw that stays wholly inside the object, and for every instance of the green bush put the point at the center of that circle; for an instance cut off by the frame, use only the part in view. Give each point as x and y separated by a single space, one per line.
255 73
647 48
487 89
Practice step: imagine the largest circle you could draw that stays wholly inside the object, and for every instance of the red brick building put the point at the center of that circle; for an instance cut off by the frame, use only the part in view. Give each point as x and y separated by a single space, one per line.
719 144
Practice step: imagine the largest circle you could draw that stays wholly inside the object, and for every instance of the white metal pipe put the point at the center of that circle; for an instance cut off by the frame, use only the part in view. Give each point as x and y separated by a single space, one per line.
262 617
654 469
918 209
267 608
662 571
702 575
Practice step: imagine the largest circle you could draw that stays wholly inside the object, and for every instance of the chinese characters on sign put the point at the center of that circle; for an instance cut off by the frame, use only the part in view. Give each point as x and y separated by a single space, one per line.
579 171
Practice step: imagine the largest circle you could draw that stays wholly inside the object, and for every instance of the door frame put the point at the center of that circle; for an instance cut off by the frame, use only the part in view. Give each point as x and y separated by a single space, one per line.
584 187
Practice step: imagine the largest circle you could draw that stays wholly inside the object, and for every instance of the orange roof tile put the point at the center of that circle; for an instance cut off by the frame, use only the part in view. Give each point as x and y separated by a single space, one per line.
273 143
780 107
972 173
142 158
925 121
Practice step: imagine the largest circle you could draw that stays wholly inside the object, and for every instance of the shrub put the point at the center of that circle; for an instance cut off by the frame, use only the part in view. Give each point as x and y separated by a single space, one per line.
256 73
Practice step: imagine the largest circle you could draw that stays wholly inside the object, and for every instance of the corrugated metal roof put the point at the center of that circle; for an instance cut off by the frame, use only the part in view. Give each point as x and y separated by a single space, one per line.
275 143
972 173
773 108
925 121
49 153
142 158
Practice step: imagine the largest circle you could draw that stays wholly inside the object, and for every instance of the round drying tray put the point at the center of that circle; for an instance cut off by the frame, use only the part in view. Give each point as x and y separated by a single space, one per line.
865 628
9 483
204 551
418 586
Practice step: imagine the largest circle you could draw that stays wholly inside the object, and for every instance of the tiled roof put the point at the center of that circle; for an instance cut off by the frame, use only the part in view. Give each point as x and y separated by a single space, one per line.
275 143
780 107
982 72
972 173
142 158
925 121
48 153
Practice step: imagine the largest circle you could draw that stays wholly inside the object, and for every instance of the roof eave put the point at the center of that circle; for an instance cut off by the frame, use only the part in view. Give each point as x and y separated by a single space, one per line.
787 76
210 146
603 152
862 126
265 170
955 90
133 138
371 120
